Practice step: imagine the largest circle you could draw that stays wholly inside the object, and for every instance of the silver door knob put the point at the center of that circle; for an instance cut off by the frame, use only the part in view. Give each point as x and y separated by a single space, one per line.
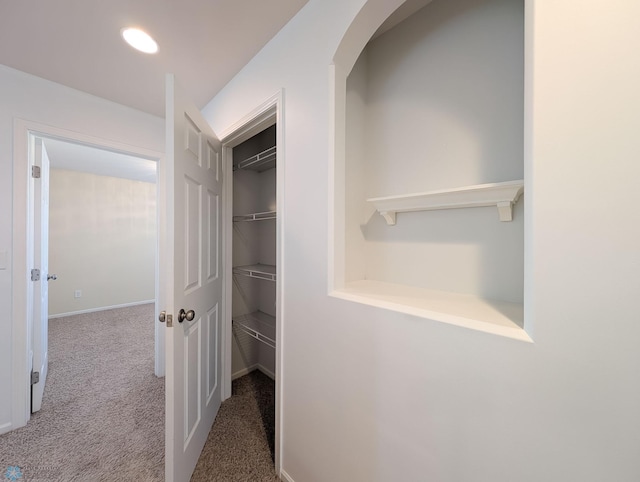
52 277
162 316
186 315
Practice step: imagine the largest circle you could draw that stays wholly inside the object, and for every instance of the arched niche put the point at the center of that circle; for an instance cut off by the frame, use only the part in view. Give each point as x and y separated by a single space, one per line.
415 254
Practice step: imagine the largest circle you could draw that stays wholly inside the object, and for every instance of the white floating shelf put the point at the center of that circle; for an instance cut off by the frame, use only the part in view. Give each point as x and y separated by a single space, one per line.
259 325
260 271
503 195
255 216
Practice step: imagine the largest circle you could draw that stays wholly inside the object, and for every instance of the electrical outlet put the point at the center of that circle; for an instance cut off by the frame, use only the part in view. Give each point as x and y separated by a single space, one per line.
77 294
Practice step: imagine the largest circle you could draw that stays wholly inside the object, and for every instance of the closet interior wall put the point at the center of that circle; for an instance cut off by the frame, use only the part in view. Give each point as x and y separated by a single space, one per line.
254 255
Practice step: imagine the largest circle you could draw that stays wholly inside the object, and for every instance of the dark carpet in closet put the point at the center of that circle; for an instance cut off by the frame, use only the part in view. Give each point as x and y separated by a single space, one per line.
240 446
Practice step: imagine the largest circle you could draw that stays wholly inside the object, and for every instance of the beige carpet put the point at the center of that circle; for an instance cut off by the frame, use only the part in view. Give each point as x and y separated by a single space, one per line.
103 411
103 408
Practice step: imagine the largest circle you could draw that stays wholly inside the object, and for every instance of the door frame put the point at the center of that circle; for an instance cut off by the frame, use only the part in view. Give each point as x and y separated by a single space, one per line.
268 113
23 239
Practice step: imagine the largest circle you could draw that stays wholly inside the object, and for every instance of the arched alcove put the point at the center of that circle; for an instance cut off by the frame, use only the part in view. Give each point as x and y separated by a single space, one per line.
429 117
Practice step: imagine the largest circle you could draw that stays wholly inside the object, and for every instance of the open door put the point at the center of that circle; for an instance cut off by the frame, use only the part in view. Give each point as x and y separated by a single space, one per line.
190 281
40 275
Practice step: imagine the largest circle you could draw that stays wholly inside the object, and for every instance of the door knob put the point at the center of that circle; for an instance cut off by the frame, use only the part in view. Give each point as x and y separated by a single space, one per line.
52 277
186 315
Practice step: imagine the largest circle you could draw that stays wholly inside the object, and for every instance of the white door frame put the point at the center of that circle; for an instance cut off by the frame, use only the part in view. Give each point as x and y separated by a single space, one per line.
263 116
23 254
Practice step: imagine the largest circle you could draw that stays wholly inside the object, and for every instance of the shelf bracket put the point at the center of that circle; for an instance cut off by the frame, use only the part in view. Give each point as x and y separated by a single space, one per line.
505 211
389 217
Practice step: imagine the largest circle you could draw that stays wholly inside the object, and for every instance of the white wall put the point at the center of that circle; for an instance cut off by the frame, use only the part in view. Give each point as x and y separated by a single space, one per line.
27 97
370 395
102 241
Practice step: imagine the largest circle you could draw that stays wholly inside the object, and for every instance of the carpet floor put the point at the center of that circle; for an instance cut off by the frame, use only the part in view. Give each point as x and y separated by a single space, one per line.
102 416
240 444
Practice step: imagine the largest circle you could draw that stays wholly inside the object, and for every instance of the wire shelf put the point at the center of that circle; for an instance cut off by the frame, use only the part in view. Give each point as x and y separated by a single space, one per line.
255 216
259 325
260 271
262 161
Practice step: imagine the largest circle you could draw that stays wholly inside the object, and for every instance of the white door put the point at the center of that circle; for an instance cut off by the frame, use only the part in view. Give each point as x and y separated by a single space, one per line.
41 262
190 277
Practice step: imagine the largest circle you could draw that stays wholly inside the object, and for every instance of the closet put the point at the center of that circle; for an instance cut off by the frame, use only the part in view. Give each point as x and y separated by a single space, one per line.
254 255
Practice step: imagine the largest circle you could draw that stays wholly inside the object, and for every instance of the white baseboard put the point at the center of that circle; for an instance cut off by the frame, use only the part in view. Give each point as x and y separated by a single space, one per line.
244 371
6 427
102 308
285 477
249 369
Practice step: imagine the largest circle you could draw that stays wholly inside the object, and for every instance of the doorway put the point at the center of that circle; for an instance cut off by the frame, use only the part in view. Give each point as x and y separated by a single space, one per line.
25 133
100 237
255 132
102 230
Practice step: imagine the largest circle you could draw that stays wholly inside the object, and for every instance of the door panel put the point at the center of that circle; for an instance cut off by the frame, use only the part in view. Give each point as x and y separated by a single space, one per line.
192 189
213 328
41 261
213 225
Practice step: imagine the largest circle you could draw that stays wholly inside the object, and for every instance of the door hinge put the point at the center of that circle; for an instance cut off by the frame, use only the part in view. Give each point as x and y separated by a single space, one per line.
35 377
35 172
35 274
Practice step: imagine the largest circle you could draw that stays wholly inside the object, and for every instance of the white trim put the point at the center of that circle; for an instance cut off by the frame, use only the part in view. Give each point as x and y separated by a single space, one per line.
255 121
270 112
529 179
102 308
22 239
21 339
336 183
6 427
286 477
227 270
243 372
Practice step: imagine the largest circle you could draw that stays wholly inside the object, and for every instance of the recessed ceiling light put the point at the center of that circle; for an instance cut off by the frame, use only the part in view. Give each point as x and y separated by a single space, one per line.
139 40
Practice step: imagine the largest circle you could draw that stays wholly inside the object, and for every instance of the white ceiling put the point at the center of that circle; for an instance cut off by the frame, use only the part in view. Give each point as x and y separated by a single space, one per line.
77 43
78 157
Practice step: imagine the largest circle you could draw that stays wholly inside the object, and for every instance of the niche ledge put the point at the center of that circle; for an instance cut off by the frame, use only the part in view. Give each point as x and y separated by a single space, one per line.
490 316
503 195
